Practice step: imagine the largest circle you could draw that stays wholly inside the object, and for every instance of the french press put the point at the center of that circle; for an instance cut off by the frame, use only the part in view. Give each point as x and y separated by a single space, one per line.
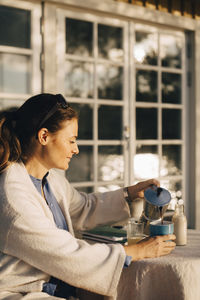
156 201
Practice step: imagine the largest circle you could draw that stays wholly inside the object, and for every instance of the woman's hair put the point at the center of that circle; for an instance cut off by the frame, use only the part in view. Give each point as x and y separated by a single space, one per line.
19 127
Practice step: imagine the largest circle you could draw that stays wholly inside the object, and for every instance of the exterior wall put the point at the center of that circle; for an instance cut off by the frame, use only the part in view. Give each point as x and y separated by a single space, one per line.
197 127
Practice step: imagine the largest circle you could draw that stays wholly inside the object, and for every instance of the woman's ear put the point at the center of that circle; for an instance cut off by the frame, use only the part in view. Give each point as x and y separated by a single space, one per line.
43 135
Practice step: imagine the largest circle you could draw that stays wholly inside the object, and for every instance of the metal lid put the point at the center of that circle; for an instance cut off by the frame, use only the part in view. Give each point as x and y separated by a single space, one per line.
157 196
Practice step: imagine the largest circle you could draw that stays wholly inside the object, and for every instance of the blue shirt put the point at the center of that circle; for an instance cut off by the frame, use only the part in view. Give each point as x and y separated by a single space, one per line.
51 201
44 189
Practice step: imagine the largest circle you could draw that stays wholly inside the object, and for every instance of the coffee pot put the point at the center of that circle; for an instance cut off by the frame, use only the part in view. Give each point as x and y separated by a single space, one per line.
156 201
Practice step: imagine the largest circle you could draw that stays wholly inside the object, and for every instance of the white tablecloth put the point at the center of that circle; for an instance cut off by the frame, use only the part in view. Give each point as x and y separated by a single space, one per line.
172 277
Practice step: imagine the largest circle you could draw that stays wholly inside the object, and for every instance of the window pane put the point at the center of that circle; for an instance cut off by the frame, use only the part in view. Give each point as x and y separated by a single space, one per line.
15 27
79 79
79 37
10 103
81 166
146 48
88 189
110 42
108 188
171 47
14 73
111 163
171 160
85 122
175 189
171 124
146 123
146 162
110 122
146 86
171 88
109 82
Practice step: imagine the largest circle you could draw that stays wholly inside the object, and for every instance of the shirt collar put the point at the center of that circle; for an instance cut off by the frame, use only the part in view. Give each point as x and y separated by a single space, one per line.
40 181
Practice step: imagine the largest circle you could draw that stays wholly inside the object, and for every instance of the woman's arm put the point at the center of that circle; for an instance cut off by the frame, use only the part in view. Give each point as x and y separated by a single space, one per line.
90 210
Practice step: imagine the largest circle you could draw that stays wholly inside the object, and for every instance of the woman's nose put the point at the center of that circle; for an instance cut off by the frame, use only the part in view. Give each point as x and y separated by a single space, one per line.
76 150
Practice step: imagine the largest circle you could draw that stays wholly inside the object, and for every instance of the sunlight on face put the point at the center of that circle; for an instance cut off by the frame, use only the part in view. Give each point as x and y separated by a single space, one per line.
62 145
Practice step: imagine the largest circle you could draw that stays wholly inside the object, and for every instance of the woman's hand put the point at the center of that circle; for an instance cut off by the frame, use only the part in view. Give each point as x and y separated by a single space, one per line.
151 247
137 190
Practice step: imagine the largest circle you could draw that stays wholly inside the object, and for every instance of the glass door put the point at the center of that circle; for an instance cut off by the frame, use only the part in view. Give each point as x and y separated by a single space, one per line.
127 80
158 107
93 76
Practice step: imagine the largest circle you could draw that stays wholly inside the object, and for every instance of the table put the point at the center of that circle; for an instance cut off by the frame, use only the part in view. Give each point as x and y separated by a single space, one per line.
172 277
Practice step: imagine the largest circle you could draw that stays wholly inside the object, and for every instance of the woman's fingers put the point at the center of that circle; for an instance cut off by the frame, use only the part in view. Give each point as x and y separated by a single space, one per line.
137 190
147 183
170 244
168 237
163 244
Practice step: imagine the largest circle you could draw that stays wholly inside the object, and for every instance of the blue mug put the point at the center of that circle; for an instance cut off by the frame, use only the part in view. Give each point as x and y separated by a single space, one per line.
157 228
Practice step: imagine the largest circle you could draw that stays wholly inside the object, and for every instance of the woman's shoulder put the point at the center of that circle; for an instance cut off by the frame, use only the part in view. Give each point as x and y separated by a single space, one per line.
59 183
58 178
14 170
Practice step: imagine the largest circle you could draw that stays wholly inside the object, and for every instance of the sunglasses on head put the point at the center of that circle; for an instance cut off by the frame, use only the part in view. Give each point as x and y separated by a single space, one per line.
60 102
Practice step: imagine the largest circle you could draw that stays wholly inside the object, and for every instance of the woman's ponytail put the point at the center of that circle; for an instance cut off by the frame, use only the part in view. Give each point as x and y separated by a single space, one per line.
10 149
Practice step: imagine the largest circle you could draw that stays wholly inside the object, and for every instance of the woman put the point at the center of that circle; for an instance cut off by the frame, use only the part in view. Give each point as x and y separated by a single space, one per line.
39 256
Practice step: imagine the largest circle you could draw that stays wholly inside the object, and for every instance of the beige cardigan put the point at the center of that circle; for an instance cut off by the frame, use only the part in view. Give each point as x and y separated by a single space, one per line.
32 248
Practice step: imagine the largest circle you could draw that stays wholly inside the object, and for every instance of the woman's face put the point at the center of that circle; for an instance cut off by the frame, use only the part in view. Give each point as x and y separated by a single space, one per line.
61 146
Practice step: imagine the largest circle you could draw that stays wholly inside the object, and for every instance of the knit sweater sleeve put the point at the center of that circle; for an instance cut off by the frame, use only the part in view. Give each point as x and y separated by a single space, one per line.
90 210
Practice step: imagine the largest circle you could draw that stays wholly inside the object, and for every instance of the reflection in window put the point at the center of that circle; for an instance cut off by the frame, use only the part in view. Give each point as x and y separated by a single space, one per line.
110 79
109 122
171 160
87 190
170 47
79 79
108 188
146 86
81 165
9 103
146 162
14 73
15 27
85 122
171 124
111 163
171 88
110 43
175 189
146 48
79 37
146 123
